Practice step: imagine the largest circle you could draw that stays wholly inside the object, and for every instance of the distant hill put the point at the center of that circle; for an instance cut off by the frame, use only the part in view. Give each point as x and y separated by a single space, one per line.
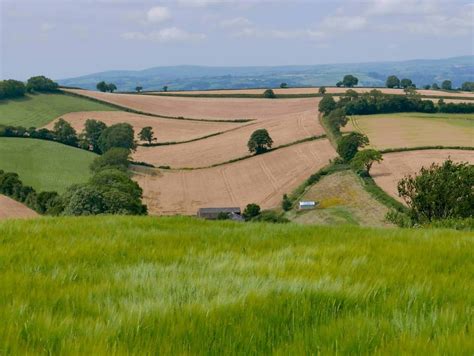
421 71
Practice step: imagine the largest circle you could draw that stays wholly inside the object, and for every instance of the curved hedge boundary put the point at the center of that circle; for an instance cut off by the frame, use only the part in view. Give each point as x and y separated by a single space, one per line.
127 109
421 148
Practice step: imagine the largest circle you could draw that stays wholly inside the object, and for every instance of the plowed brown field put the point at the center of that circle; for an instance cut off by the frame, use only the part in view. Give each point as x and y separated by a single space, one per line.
11 209
205 108
233 144
261 179
396 165
166 130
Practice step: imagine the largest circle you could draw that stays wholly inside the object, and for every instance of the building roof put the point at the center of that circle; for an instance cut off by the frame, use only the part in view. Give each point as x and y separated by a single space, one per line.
307 203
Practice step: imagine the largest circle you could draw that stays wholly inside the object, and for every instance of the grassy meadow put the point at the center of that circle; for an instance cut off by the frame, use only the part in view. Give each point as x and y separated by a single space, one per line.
45 165
143 285
37 110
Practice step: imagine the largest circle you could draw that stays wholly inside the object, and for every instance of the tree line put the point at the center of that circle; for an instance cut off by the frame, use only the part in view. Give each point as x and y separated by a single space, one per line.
11 88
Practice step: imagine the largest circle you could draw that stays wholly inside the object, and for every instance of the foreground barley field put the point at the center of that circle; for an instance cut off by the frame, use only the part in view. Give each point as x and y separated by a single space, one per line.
121 285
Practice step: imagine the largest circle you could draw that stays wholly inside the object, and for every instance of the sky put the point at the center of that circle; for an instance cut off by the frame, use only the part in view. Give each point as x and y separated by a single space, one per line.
67 38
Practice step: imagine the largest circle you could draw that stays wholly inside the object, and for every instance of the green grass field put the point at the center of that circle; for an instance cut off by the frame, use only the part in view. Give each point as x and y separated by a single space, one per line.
143 285
45 165
39 109
463 120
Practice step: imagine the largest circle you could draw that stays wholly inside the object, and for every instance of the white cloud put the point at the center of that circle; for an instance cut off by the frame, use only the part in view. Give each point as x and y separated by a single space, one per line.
344 23
166 35
402 7
235 22
279 34
46 27
158 14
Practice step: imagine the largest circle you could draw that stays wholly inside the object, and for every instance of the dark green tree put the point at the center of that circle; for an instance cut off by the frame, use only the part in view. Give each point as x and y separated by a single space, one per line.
83 200
286 203
118 135
327 104
349 145
165 88
116 158
435 86
111 87
363 160
392 82
251 211
427 86
138 89
322 90
65 133
337 119
41 84
102 86
91 134
439 192
467 86
269 94
406 83
283 85
447 85
339 84
260 141
146 134
350 81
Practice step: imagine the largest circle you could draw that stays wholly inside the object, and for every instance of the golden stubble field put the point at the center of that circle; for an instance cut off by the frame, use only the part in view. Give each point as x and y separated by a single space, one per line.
165 130
261 179
397 165
11 209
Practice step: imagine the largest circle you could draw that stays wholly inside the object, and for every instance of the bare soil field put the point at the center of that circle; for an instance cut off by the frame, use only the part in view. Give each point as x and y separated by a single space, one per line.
342 200
283 129
397 165
205 108
415 129
11 209
166 130
261 179
330 90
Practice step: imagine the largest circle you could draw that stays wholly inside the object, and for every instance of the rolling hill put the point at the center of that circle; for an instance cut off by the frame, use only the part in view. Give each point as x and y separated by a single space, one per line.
458 69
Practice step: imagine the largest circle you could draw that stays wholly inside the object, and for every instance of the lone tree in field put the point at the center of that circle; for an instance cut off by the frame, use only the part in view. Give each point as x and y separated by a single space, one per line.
350 81
65 133
435 86
146 134
269 94
392 82
138 89
363 160
339 84
439 192
260 142
284 85
322 90
327 104
102 86
406 83
349 145
447 85
165 88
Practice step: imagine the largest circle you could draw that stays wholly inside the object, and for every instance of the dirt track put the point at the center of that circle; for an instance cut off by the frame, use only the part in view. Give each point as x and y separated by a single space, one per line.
396 165
166 130
11 209
262 179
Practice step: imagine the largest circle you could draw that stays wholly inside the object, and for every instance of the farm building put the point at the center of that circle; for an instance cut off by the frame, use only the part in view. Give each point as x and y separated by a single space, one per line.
304 205
213 213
